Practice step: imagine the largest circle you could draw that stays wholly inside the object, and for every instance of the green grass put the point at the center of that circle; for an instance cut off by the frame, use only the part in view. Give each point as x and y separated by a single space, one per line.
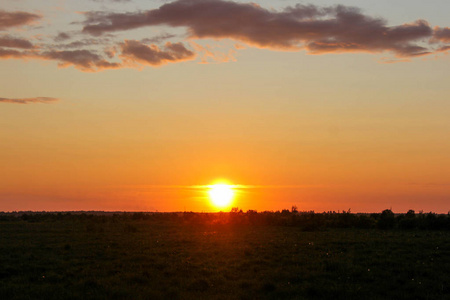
154 259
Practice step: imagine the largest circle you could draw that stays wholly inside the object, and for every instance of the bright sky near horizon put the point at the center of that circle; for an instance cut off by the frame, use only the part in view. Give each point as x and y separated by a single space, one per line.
128 105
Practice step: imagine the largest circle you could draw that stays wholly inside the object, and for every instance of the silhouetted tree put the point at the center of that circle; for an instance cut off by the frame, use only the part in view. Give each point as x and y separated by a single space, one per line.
408 221
411 214
387 219
235 210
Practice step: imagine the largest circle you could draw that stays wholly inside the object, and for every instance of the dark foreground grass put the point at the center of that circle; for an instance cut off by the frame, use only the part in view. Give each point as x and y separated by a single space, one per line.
148 259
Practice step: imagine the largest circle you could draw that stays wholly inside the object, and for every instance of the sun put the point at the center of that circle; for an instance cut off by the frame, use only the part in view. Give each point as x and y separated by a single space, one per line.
221 194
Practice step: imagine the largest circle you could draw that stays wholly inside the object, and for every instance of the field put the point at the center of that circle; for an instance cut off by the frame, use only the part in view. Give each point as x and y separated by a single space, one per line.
170 257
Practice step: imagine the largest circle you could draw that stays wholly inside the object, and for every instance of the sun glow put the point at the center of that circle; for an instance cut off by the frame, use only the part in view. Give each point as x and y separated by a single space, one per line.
221 194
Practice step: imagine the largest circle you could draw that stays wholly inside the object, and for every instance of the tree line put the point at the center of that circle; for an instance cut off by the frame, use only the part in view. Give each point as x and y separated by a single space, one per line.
307 220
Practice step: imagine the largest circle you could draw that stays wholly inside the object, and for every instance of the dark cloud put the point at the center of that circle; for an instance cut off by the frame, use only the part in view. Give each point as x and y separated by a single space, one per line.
29 100
442 34
443 49
11 42
136 51
16 18
131 52
158 39
62 36
317 29
10 53
82 43
84 60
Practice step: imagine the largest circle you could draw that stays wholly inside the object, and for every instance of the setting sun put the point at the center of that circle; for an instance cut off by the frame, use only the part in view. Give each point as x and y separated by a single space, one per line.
221 195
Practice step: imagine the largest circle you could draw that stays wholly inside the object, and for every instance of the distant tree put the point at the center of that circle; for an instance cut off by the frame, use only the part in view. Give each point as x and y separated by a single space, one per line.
410 214
408 221
386 220
365 221
294 209
431 221
235 209
285 212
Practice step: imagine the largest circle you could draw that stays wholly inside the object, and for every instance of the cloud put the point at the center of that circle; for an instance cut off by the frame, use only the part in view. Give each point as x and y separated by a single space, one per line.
62 36
16 18
442 34
317 29
82 43
159 38
209 53
443 49
84 60
132 52
10 53
11 42
29 100
135 51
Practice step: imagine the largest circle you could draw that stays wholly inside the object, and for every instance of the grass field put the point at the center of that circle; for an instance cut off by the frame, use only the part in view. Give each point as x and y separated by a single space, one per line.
111 258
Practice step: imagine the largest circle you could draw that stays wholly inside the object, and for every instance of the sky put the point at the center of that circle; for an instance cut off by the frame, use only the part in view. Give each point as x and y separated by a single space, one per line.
138 105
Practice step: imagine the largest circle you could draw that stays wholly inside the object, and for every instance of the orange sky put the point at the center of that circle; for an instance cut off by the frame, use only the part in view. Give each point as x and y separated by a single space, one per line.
98 113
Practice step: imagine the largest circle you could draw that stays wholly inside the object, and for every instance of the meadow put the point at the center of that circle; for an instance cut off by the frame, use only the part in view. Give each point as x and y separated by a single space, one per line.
283 255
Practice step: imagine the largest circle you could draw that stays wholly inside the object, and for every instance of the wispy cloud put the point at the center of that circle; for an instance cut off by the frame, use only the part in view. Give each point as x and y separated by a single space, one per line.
83 43
12 42
159 38
29 100
209 53
12 53
442 34
135 51
16 18
311 28
82 59
317 29
62 36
